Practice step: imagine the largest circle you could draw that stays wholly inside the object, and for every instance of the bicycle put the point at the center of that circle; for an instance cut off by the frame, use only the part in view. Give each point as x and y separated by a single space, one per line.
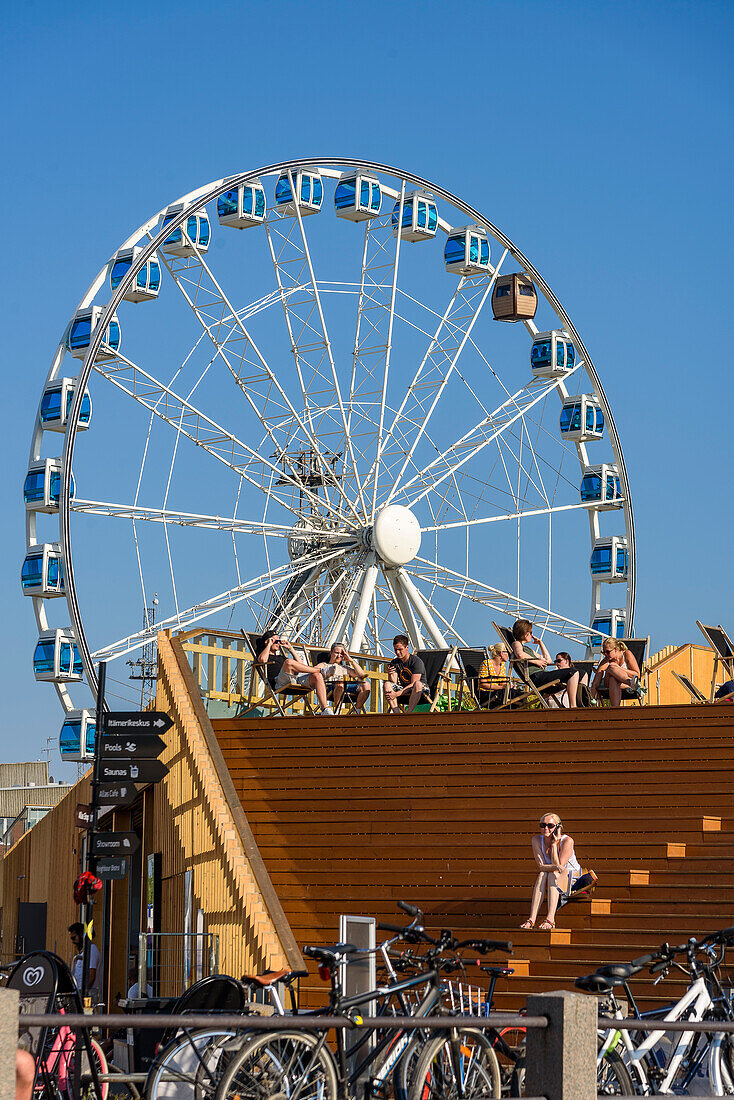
632 1062
299 1063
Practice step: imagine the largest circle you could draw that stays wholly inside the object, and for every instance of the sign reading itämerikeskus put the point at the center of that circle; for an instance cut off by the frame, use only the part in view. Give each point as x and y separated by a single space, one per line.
148 746
130 771
140 721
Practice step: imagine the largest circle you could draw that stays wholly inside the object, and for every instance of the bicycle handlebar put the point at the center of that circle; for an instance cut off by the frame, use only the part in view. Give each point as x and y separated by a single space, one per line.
411 910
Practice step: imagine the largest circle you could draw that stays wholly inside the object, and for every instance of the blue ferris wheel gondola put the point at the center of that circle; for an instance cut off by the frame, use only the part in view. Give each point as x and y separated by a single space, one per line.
56 404
600 486
357 197
57 658
76 740
191 238
43 571
552 354
609 559
419 220
466 251
612 623
147 281
79 334
242 207
582 419
309 189
42 487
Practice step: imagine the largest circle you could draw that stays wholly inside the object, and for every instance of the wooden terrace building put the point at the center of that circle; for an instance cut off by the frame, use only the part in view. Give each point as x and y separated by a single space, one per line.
266 829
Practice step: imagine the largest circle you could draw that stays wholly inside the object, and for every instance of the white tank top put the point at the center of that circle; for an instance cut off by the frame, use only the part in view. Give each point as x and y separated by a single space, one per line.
573 864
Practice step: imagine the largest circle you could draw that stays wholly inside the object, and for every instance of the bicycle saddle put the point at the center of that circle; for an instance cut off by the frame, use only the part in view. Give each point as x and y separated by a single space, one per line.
332 953
594 983
619 972
273 976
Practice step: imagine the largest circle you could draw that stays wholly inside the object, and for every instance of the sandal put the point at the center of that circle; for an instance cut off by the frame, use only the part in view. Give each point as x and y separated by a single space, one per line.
547 926
528 924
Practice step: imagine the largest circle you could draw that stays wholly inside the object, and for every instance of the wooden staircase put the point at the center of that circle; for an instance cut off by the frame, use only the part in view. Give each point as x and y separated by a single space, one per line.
350 815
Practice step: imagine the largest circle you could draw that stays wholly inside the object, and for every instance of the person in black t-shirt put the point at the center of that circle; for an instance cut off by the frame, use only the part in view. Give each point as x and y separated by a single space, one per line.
283 670
406 677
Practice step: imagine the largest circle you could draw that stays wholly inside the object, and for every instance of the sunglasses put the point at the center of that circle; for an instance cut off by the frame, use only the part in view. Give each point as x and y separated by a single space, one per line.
547 824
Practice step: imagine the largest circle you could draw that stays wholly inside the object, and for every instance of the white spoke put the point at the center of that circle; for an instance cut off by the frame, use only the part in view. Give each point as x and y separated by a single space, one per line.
328 348
480 436
365 599
388 348
215 313
503 602
402 605
513 515
345 609
442 358
425 616
218 523
184 417
223 600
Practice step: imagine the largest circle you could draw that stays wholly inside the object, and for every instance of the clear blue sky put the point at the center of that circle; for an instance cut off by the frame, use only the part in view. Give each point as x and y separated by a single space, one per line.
597 135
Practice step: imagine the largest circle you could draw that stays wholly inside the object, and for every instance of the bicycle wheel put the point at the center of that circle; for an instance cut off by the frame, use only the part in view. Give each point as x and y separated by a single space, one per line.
612 1076
721 1065
457 1064
191 1065
273 1065
88 1091
509 1046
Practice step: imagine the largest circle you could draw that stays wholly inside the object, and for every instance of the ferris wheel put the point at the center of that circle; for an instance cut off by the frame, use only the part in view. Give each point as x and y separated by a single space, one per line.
366 412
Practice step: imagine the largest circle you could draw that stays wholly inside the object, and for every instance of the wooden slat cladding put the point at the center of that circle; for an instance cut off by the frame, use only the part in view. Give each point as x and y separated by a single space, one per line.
351 814
197 827
42 867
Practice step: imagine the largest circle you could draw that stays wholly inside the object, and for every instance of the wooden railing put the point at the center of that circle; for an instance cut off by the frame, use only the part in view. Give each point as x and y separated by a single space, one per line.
222 664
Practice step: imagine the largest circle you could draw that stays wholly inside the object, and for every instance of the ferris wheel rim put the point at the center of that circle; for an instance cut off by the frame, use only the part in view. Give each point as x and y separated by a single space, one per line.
200 197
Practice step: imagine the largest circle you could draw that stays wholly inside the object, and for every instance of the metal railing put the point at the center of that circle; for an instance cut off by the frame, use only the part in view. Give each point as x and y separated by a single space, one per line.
561 1050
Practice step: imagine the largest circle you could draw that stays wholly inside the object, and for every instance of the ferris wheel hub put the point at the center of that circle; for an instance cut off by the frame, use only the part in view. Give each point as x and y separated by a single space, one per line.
395 535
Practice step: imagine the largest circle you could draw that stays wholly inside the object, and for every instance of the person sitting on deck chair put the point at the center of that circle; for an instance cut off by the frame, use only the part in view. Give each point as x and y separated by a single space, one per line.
583 698
406 677
287 670
334 671
522 632
493 677
618 669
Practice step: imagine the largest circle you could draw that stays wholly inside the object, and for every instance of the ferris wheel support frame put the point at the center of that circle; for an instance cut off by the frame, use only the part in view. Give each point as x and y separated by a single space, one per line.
210 193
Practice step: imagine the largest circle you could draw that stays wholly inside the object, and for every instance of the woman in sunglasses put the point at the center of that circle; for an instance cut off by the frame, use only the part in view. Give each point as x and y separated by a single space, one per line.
558 870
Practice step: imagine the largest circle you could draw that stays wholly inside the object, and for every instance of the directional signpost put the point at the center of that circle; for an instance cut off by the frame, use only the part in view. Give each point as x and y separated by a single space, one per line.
133 771
112 867
114 746
131 721
116 794
115 844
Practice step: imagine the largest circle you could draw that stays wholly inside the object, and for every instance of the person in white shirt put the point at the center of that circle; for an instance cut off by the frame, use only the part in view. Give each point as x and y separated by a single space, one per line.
94 979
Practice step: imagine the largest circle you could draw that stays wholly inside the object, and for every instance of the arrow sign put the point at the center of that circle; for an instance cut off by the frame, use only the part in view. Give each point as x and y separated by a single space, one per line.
111 868
115 746
83 816
137 721
114 844
132 771
117 794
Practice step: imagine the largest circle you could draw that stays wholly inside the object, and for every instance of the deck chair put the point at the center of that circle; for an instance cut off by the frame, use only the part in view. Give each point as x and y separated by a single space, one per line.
438 664
520 668
471 664
638 649
280 698
319 655
723 649
696 695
